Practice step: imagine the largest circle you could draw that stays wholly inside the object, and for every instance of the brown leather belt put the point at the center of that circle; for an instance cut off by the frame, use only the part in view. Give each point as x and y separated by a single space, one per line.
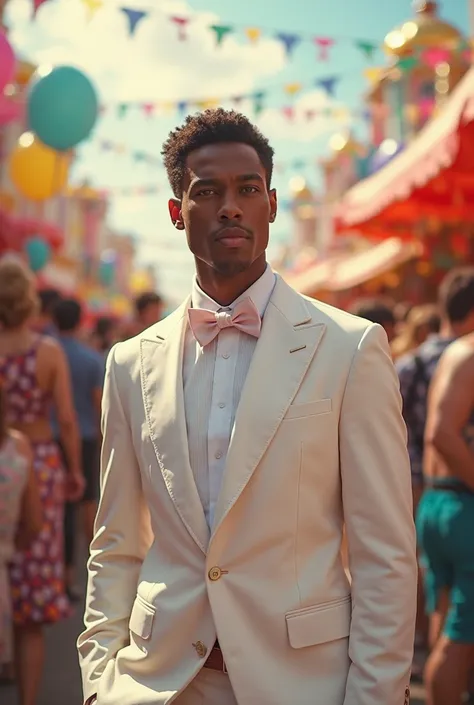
215 660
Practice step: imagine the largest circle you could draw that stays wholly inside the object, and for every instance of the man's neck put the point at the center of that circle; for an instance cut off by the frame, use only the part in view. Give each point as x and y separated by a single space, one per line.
224 290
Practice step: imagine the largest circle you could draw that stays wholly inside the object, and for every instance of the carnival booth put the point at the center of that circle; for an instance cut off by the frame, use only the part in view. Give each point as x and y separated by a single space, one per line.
424 191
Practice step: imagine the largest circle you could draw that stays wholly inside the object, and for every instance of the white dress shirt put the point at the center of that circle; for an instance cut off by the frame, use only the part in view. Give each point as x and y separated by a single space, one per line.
213 379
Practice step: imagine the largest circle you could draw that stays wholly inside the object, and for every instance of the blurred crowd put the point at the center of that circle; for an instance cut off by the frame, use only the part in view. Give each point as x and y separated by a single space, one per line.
51 379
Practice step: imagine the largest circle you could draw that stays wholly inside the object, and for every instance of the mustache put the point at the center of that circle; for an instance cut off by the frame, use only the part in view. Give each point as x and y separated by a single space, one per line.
217 234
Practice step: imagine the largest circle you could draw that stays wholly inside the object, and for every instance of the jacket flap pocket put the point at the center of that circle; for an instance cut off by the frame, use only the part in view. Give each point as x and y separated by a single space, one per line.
141 619
296 411
319 624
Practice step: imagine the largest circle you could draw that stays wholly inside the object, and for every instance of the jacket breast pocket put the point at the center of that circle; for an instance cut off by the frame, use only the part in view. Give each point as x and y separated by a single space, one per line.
313 408
319 624
142 618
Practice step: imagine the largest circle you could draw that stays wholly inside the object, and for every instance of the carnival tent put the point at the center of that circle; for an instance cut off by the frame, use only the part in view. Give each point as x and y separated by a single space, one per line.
433 176
342 272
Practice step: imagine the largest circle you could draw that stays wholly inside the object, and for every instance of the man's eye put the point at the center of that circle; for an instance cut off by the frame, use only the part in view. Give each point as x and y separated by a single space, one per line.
206 192
249 189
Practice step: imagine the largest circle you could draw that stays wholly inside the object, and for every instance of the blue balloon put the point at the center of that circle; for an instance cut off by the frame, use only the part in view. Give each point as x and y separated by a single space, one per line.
62 108
38 252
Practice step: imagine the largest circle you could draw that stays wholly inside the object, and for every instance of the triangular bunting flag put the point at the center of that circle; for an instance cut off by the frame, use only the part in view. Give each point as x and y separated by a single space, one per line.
290 41
221 31
182 106
292 88
36 5
288 111
328 84
253 34
148 109
405 64
91 7
237 99
373 74
367 48
258 105
310 114
299 164
181 23
122 109
134 17
323 44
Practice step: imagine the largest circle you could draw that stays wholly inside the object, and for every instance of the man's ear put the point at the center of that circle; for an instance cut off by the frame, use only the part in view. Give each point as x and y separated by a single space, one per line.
273 205
174 207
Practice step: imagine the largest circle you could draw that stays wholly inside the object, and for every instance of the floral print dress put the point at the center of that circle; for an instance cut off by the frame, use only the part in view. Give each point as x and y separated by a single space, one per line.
37 574
13 479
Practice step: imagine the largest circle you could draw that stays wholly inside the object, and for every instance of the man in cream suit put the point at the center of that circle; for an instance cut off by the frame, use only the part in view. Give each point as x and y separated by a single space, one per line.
241 434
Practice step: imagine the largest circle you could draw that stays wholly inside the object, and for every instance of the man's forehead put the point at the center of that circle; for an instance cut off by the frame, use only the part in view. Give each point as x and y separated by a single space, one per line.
223 158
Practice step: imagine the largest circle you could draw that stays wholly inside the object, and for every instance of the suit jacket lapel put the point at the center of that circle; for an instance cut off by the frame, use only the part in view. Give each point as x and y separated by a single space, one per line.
287 344
163 396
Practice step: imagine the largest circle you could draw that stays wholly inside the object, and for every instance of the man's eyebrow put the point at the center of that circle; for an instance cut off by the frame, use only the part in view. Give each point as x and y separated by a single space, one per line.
205 182
250 177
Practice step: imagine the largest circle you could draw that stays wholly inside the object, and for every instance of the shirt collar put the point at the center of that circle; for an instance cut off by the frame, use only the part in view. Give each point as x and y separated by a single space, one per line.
259 292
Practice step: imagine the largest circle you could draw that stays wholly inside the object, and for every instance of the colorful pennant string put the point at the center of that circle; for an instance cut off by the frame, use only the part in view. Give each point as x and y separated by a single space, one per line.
36 6
290 40
134 17
221 31
323 44
181 23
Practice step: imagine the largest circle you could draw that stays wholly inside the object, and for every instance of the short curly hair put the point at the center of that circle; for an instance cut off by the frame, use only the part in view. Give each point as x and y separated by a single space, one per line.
211 127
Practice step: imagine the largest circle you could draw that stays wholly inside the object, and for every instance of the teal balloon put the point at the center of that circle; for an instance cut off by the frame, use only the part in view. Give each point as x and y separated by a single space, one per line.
62 108
107 273
38 253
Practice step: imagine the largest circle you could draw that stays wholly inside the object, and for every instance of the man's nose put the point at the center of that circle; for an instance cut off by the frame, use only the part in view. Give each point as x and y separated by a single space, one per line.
230 210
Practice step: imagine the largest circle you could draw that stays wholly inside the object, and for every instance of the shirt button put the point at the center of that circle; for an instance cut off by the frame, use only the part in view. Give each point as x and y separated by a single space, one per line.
221 405
226 356
218 455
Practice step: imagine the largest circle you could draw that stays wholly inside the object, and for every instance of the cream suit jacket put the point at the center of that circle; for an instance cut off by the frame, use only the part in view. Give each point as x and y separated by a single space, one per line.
318 441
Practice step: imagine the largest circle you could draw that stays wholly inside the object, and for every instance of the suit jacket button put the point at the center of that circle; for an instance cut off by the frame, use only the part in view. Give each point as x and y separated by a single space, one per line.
201 649
407 697
215 573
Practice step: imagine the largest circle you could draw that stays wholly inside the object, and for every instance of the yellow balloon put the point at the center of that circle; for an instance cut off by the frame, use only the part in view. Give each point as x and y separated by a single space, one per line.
36 171
139 282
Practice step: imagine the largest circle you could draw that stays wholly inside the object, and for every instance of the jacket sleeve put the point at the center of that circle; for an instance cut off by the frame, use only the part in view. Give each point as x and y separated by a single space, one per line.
378 515
120 544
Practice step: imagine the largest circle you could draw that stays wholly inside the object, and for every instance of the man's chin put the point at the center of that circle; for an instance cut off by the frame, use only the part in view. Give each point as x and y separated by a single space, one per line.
231 269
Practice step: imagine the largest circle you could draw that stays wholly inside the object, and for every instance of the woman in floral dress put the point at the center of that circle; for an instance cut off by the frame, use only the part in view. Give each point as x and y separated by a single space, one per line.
35 376
20 516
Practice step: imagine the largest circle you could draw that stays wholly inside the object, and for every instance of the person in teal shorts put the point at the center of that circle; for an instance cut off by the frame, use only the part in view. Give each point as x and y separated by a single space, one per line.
445 525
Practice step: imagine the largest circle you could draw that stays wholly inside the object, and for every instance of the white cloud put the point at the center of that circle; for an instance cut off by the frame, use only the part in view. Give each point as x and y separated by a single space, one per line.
153 65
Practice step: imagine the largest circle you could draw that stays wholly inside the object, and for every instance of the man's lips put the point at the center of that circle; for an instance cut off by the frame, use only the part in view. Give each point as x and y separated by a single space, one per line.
231 233
232 237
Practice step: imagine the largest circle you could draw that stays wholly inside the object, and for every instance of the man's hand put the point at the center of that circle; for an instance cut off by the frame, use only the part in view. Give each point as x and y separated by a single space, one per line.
75 485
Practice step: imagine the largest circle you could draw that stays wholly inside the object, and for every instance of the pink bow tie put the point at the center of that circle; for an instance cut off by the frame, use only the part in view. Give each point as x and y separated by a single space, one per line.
206 325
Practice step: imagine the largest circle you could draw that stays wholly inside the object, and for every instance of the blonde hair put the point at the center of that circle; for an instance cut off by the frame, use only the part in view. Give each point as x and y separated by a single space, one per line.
18 299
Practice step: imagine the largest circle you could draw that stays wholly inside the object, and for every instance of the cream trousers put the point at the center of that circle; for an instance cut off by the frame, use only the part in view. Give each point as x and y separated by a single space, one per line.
208 688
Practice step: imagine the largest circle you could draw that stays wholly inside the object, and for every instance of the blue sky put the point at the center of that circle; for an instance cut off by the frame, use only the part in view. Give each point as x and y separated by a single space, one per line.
154 66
